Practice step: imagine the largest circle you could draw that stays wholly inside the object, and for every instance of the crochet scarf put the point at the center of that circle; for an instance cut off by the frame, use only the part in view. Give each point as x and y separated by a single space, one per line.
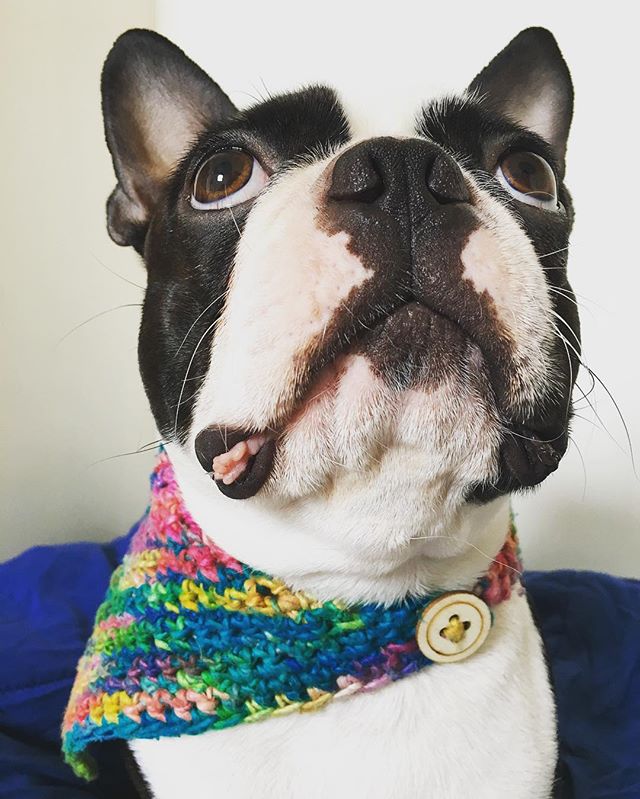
189 639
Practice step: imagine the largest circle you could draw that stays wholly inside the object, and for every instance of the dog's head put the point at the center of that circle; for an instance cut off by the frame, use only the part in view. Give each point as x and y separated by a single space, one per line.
377 324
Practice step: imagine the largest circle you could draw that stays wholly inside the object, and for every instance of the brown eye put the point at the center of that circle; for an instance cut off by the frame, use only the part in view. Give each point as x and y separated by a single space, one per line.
227 178
529 178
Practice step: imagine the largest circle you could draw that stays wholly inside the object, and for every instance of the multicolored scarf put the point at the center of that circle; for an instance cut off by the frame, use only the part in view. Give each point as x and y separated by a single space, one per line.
189 639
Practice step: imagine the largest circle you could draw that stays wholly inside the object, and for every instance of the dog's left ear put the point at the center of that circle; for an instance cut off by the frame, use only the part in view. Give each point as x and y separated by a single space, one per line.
530 83
155 103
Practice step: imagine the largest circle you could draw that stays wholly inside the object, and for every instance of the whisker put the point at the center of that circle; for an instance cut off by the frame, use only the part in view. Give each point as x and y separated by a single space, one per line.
584 467
555 252
156 443
622 419
269 95
117 274
248 94
571 330
230 209
568 297
596 377
185 400
186 374
591 405
510 432
577 294
198 317
140 451
569 364
469 543
97 316
585 418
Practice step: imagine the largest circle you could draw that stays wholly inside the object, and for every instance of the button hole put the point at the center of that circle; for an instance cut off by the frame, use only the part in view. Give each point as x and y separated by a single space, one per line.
455 630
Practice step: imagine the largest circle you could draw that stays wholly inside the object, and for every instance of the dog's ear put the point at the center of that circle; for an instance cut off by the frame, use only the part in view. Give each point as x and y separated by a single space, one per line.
155 102
530 82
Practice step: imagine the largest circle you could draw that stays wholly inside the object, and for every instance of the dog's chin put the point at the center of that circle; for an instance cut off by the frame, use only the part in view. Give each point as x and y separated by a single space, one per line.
376 417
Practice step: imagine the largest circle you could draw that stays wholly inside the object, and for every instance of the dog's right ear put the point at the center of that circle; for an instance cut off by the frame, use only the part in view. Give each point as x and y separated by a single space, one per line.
155 103
530 83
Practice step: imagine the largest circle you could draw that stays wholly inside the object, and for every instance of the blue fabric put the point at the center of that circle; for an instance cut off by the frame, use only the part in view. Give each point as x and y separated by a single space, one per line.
48 596
590 624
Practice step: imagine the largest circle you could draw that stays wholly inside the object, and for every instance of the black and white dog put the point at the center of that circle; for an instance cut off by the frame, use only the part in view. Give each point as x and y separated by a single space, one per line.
370 341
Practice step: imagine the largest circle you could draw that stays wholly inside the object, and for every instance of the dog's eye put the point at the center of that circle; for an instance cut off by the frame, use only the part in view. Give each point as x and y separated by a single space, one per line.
227 178
529 178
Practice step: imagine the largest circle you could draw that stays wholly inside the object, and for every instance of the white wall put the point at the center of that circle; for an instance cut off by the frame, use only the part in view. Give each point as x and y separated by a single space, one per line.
386 58
66 405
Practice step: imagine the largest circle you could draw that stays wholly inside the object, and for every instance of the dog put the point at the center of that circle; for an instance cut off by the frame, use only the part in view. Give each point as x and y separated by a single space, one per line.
356 346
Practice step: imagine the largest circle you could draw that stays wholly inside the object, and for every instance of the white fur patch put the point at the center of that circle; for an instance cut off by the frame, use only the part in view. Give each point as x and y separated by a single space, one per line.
500 259
289 279
362 540
484 265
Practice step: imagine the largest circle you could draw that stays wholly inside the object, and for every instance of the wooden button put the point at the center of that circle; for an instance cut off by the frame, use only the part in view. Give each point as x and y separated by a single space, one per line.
453 627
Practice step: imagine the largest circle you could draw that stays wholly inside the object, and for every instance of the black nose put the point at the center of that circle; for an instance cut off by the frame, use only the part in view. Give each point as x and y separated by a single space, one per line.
374 170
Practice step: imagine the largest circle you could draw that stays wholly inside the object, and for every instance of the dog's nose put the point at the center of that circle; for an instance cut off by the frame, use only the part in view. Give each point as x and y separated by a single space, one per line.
373 170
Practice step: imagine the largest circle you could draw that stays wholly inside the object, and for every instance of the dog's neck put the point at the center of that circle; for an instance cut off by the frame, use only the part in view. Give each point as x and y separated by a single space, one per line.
229 644
285 543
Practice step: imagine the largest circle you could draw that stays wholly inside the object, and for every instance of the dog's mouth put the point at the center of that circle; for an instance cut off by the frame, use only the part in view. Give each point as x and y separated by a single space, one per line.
240 461
412 343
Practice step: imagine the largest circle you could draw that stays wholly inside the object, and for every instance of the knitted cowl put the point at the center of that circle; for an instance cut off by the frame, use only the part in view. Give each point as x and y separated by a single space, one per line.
189 639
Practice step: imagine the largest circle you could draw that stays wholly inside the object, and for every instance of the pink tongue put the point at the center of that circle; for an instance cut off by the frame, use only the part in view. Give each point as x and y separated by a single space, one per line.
230 465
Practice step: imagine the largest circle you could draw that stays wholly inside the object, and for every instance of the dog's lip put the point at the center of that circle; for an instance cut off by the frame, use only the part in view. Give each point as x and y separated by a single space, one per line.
219 439
527 458
216 440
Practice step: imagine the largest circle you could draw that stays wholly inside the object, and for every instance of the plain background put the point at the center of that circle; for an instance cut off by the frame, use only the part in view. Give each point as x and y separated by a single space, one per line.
71 400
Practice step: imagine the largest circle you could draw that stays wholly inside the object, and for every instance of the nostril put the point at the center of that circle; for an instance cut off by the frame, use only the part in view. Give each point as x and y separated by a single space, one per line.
355 178
446 182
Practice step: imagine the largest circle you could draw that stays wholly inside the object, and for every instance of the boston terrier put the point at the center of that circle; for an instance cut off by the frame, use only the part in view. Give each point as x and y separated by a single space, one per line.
356 347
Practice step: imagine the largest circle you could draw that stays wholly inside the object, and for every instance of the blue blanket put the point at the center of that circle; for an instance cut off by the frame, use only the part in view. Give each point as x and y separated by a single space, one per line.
48 596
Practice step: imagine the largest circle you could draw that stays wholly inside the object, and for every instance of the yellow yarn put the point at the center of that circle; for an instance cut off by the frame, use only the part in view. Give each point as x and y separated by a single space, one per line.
455 630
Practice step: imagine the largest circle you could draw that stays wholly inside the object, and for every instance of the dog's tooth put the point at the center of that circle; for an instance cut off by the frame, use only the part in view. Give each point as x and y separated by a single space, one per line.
254 443
234 473
238 452
228 466
220 464
226 460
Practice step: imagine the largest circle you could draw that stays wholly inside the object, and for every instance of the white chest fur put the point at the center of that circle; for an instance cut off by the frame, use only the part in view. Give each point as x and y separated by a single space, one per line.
483 727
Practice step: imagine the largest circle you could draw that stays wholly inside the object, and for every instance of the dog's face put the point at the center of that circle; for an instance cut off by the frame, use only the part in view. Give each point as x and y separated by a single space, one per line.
380 324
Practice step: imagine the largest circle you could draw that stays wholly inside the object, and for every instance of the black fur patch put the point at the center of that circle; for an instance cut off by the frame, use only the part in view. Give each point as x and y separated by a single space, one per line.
404 204
478 137
189 253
